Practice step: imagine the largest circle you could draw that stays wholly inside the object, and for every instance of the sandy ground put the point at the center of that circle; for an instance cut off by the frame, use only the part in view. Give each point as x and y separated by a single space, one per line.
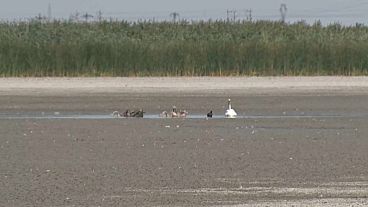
319 160
183 84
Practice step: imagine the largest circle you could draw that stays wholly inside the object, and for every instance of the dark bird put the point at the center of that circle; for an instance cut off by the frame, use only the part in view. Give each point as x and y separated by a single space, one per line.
138 113
126 113
210 114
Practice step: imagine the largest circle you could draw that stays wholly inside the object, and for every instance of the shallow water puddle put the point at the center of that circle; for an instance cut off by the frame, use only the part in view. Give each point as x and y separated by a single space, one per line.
58 115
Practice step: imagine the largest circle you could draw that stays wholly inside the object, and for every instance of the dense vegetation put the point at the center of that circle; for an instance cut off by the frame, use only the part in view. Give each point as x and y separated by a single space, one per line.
185 48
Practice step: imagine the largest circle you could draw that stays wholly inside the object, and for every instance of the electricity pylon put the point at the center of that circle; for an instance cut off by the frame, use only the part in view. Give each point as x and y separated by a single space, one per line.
175 16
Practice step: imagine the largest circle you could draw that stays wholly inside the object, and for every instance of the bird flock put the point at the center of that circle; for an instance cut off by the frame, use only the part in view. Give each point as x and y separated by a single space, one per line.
174 113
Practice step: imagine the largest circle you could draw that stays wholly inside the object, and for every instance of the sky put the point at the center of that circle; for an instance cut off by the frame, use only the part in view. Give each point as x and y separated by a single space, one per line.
328 11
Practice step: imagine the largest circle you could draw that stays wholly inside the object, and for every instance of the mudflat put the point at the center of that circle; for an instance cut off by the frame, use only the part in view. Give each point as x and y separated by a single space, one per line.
294 145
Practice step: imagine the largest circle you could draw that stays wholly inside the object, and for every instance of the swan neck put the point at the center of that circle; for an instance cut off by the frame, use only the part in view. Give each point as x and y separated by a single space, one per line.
229 104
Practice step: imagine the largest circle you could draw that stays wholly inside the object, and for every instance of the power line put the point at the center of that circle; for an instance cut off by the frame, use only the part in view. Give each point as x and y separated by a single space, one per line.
326 14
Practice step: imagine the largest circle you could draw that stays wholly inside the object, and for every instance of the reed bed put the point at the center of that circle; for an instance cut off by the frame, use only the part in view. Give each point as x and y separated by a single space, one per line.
211 48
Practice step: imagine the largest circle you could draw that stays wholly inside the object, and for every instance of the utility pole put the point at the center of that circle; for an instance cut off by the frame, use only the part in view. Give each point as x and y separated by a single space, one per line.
39 17
175 16
283 11
248 14
86 16
99 15
231 14
49 15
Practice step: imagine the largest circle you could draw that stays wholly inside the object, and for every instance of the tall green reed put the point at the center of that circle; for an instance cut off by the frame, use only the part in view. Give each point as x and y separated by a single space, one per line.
218 48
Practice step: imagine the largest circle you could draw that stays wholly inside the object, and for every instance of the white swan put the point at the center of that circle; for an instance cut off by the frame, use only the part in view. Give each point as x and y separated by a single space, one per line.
230 113
116 114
